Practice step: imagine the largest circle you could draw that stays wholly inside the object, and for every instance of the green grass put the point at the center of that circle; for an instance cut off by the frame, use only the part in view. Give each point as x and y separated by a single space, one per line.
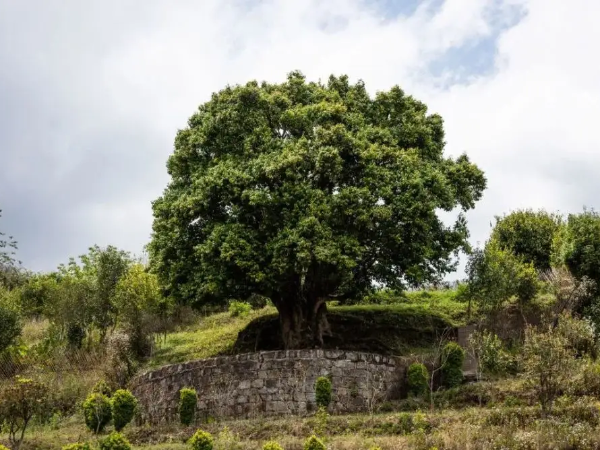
402 326
211 336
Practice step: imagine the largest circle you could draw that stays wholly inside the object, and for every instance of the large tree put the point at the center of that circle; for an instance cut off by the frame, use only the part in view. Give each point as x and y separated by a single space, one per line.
303 192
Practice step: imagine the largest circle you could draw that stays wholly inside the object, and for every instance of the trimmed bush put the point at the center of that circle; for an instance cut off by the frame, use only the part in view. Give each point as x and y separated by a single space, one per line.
102 387
114 441
77 446
418 379
201 440
97 412
314 443
323 392
272 445
123 405
187 406
453 356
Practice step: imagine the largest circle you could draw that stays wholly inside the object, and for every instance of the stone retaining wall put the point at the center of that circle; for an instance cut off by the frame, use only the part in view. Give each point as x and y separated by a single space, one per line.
270 383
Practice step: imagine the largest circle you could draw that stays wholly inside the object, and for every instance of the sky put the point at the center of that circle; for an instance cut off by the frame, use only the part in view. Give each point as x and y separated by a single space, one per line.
93 92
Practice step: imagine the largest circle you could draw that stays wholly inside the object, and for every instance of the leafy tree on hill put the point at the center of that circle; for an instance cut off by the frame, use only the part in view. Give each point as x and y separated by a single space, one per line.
529 235
578 245
304 192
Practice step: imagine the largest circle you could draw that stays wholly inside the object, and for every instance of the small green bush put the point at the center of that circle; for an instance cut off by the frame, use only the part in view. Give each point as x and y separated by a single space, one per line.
2 447
418 379
239 309
323 392
201 440
114 441
78 446
272 445
314 443
453 356
97 412
187 406
102 387
124 405
405 422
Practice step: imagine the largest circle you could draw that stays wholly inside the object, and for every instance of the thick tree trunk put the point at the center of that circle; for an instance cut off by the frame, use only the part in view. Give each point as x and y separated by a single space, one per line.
303 323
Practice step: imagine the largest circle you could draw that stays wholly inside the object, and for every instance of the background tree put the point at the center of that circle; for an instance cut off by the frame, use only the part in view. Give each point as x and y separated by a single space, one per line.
495 275
12 274
303 192
529 235
578 245
140 305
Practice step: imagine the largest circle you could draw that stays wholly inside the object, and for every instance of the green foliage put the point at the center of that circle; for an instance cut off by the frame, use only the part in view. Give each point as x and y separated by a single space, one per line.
488 350
102 387
577 245
97 412
548 362
10 324
272 445
323 392
452 358
7 249
299 191
528 234
495 275
20 402
140 305
418 379
114 441
314 443
239 309
2 447
77 446
580 335
123 405
187 405
201 440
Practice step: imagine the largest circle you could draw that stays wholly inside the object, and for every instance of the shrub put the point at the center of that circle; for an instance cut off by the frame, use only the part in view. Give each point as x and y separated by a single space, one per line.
548 362
323 392
187 405
114 441
488 351
239 309
201 440
10 326
20 402
97 412
314 443
121 364
452 356
123 408
405 422
418 379
78 446
272 445
2 447
102 387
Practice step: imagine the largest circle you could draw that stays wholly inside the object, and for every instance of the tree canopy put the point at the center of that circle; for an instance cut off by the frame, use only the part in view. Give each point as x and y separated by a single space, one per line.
529 235
303 192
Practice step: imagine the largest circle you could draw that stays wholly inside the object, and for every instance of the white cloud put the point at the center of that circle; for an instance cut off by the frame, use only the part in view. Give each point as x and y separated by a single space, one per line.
149 65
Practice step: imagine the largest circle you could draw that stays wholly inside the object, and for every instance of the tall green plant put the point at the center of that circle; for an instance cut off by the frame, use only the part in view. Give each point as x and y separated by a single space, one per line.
188 400
453 357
